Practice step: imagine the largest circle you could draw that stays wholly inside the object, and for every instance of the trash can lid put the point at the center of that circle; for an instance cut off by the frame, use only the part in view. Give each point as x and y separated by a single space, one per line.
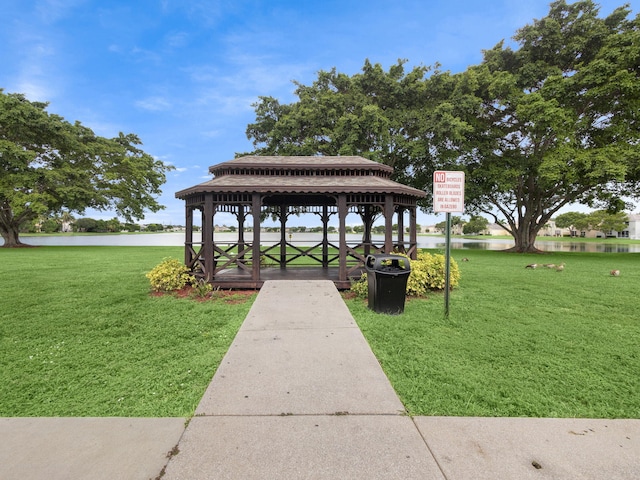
388 263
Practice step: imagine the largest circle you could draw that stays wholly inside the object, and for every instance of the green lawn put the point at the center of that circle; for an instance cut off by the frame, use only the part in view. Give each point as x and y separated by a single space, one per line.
81 336
518 342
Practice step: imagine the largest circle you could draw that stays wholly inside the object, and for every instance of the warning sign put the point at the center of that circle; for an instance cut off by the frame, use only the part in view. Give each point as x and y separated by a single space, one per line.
448 192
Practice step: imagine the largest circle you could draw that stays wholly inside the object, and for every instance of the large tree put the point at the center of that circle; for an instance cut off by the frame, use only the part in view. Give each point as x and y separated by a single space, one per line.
599 220
556 121
48 164
551 123
573 221
476 224
386 116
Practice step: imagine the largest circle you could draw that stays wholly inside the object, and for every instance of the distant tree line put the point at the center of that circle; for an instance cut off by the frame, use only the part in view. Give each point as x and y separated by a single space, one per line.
598 220
67 223
475 225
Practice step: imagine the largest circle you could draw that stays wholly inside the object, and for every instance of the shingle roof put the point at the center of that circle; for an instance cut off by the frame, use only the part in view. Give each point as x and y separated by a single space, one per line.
320 176
315 162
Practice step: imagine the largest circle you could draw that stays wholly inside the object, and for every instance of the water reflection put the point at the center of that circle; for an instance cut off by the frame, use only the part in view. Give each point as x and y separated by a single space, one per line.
431 242
587 247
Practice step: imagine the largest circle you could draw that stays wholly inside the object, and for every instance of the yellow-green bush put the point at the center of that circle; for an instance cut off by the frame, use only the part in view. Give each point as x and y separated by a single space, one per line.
360 287
427 273
169 275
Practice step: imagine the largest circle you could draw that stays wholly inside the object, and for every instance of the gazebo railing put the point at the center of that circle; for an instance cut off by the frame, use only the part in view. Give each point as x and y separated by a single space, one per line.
224 257
194 259
228 255
313 252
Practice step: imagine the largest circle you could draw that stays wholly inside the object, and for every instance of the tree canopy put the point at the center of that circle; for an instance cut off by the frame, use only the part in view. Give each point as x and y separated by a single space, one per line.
572 221
600 220
48 164
476 224
536 128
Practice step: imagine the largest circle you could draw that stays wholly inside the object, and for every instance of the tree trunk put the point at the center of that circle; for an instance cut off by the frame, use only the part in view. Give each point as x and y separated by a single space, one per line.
10 225
11 238
525 238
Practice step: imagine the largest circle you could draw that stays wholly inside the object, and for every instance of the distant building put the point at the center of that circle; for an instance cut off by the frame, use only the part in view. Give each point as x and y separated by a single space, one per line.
495 229
633 227
632 231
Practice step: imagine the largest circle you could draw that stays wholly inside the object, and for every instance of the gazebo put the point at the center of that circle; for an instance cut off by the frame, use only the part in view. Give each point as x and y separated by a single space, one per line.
279 186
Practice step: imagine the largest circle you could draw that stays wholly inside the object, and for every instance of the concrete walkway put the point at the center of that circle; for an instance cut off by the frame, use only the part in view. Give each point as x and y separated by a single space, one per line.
300 395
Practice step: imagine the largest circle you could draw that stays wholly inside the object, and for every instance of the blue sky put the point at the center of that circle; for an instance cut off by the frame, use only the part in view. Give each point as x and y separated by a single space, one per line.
182 75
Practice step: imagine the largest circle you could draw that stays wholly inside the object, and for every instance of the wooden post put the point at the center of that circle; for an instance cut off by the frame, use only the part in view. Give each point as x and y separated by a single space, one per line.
283 236
401 246
241 218
413 234
388 223
207 238
255 211
342 214
325 236
188 240
367 220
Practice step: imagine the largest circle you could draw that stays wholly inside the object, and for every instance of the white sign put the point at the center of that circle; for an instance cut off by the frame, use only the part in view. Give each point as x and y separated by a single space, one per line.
448 192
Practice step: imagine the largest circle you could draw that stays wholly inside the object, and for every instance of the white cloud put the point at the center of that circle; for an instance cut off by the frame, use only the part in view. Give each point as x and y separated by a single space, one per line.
204 12
232 90
51 11
212 133
104 129
202 73
34 89
145 55
269 78
34 79
224 103
154 104
210 12
178 39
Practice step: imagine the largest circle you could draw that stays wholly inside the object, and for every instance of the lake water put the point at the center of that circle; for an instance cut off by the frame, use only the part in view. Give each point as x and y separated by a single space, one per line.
432 242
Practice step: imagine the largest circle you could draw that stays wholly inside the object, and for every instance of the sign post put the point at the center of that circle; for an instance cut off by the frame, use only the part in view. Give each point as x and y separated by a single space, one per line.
448 197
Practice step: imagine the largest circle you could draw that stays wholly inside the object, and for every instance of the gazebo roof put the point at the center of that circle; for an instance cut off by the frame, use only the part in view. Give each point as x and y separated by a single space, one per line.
298 175
302 162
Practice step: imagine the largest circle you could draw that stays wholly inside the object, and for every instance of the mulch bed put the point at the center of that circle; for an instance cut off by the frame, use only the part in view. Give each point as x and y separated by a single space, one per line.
227 296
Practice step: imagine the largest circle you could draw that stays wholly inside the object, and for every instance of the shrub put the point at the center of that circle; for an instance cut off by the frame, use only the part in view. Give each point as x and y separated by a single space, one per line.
427 273
360 287
169 275
201 288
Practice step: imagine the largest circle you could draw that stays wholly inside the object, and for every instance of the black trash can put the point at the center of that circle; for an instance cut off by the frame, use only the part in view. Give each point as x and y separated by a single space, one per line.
387 277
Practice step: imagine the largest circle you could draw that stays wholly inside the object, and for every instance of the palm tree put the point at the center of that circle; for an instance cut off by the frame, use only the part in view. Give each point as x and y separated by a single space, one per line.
66 219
